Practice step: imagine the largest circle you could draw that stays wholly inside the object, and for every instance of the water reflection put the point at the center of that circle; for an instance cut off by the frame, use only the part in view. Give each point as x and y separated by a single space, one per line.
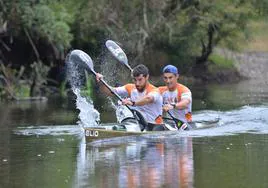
229 96
19 113
38 147
136 164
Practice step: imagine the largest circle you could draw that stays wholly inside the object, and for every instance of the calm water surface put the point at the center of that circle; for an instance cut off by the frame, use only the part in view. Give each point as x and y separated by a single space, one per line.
42 145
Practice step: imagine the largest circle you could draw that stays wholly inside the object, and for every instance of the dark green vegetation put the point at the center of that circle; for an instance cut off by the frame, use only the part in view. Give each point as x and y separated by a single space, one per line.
35 36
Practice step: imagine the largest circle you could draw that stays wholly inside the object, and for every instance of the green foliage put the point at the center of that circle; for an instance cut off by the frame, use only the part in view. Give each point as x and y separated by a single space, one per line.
218 65
63 90
38 78
258 38
22 90
177 26
48 20
219 22
11 84
87 89
180 28
261 8
220 61
186 32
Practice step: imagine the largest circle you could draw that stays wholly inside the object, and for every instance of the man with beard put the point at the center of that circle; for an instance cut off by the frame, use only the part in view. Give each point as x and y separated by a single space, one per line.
141 95
177 98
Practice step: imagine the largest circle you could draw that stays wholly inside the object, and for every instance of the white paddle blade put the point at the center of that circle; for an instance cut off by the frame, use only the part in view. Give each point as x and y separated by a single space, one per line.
117 52
81 58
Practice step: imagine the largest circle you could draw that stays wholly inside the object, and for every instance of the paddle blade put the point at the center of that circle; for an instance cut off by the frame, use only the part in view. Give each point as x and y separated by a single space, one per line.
81 58
117 52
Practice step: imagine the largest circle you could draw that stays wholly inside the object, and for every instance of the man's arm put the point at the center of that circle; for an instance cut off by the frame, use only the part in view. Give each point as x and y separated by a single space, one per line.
179 105
186 99
182 104
103 88
147 99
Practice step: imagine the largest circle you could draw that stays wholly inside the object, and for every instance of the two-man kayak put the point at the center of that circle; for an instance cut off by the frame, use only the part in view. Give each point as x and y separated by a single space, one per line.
129 127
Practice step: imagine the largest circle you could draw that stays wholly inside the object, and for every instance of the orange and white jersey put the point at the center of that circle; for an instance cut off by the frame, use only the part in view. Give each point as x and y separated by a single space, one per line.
152 112
181 92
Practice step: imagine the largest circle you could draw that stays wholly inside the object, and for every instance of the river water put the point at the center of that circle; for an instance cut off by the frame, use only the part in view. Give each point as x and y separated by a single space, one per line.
42 145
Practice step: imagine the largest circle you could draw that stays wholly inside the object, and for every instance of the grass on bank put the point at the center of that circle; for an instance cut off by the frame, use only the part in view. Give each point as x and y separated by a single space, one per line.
219 62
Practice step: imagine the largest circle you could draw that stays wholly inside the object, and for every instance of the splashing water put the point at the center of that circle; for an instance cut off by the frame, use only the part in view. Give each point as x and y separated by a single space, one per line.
121 111
115 75
88 115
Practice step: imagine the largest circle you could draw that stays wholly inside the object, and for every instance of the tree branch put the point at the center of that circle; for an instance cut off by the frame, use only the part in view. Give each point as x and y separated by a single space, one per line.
145 18
206 48
32 44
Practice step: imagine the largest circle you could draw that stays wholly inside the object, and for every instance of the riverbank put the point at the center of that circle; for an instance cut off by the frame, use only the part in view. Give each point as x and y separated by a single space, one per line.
248 65
249 61
226 66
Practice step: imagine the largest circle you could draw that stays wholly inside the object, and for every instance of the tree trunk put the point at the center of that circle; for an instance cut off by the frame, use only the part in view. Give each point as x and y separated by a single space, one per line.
200 67
206 48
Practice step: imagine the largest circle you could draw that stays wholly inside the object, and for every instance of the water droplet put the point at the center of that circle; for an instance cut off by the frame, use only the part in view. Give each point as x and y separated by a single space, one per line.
61 139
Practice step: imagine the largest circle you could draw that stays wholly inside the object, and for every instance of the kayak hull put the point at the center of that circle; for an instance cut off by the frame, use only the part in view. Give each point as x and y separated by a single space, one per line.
106 132
97 133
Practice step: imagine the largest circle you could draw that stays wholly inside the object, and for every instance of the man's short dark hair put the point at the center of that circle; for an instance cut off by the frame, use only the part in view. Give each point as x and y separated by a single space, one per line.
140 69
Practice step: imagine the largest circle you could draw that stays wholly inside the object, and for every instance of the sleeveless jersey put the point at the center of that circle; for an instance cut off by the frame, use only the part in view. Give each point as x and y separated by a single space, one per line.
181 92
152 112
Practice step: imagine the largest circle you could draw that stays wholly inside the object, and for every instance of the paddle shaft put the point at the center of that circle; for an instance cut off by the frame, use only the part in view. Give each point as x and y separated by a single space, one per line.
127 65
174 119
110 89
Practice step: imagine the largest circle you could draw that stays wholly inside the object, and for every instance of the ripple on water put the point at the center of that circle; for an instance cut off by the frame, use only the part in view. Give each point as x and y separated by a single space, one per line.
53 130
248 119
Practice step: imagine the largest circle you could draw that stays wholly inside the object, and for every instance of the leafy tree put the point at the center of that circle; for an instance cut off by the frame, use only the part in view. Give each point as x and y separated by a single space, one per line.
35 31
189 29
38 23
261 7
180 32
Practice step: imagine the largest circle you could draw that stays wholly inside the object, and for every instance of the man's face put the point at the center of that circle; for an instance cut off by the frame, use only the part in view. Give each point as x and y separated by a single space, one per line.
170 80
140 82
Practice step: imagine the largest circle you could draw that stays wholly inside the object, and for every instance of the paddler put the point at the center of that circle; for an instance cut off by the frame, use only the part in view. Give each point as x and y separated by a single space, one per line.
141 95
177 98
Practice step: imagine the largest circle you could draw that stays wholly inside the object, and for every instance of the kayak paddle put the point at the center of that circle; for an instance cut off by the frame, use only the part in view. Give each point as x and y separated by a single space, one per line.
118 53
84 60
